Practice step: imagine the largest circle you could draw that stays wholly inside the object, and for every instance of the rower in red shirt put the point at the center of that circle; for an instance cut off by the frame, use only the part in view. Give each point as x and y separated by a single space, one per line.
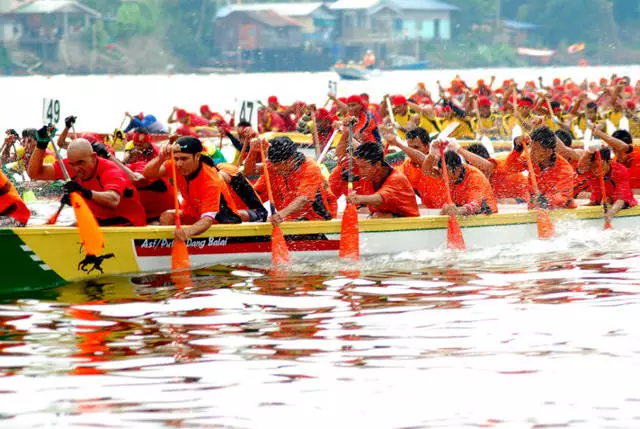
553 173
470 189
109 193
626 153
389 192
206 198
299 188
188 120
366 128
430 189
616 181
214 118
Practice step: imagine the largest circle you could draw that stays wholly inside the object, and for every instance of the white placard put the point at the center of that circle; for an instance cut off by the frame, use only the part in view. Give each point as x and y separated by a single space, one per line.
247 110
333 88
51 111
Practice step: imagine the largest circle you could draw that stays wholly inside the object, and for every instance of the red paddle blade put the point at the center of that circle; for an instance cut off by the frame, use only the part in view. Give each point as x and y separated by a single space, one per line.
54 218
279 249
607 225
454 234
180 256
90 234
350 234
546 230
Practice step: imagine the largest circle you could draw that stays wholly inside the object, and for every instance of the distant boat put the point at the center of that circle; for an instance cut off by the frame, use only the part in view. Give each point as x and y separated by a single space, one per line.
355 73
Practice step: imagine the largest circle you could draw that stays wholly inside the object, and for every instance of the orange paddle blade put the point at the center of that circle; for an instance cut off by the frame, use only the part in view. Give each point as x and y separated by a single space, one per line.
54 218
350 234
90 234
455 240
279 249
180 256
607 225
546 229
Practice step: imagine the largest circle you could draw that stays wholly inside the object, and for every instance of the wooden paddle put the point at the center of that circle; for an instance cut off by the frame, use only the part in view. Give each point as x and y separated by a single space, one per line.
91 235
179 251
279 249
546 229
314 133
327 146
350 229
607 224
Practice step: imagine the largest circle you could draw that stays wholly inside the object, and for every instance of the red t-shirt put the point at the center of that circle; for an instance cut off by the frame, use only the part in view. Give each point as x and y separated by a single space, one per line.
430 189
474 187
397 195
616 185
109 177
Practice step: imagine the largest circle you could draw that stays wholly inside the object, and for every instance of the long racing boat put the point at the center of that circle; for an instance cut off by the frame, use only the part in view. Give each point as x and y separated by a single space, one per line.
43 257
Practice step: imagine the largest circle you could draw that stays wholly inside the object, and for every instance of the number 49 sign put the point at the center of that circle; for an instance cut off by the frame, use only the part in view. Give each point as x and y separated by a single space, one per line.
50 111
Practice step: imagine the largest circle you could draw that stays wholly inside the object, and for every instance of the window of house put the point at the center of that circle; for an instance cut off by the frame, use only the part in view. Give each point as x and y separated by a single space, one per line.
410 29
428 29
445 29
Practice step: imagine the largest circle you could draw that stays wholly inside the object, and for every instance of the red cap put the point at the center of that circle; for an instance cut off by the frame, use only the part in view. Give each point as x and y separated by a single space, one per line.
398 100
480 82
140 116
557 82
447 109
181 113
525 103
272 99
343 100
355 99
484 102
531 83
323 115
631 104
204 109
603 81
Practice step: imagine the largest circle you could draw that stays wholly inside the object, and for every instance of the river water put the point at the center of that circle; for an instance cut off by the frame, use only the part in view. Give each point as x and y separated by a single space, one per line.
537 335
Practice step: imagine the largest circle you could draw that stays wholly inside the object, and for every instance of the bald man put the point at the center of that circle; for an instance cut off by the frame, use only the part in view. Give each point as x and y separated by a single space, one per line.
108 191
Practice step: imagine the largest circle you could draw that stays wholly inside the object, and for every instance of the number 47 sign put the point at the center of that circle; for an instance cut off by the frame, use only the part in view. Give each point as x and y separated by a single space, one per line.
247 111
50 111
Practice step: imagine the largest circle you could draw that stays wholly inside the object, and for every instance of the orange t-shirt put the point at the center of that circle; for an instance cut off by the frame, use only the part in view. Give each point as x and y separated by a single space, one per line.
506 184
10 202
205 195
430 189
397 195
554 182
339 185
474 187
306 180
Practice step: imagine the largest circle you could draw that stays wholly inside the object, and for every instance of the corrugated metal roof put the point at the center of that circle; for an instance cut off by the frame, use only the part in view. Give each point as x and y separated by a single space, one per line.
394 4
55 6
288 9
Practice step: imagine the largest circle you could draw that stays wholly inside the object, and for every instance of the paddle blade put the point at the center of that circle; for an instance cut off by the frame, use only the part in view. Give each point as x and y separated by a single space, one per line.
350 234
54 217
279 249
607 225
454 235
90 234
180 256
546 230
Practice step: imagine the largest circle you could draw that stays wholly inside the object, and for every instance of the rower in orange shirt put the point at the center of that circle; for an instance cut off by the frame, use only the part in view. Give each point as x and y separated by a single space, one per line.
13 211
422 95
206 198
470 190
616 181
505 185
366 128
299 188
626 152
389 192
430 189
554 174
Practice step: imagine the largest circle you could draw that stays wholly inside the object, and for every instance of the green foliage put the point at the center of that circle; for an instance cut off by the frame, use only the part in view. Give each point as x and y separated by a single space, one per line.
136 19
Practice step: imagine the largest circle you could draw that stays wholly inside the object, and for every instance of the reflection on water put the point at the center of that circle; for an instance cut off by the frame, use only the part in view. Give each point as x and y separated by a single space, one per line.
537 335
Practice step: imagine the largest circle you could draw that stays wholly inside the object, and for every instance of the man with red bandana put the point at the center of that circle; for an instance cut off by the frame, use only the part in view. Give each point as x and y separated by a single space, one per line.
214 118
188 120
486 122
366 129
272 116
323 121
422 95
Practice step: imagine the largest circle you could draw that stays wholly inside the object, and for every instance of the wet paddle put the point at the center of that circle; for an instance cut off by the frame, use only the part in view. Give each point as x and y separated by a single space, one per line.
605 208
350 229
546 229
314 133
91 235
327 146
279 249
179 251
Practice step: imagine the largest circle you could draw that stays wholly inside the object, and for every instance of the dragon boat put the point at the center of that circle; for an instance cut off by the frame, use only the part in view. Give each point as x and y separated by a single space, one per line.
42 257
